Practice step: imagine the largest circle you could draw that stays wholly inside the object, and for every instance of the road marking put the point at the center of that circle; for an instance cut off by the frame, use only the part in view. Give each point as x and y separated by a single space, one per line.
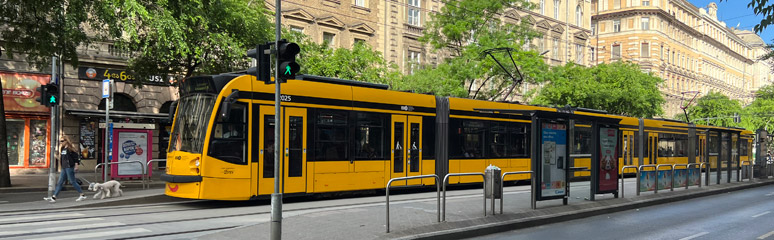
11 220
761 214
695 236
764 236
49 222
770 194
98 234
3 201
55 229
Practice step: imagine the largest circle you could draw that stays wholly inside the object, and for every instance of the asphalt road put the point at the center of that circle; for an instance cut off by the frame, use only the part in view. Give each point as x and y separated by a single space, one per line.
747 214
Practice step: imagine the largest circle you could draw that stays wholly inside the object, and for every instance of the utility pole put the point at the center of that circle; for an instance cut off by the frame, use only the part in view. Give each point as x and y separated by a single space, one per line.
53 136
276 197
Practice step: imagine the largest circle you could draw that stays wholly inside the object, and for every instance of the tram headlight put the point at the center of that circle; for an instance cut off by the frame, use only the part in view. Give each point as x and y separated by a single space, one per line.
197 163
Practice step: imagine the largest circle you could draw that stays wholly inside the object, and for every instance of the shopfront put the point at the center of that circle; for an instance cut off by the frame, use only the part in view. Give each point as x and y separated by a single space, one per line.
27 122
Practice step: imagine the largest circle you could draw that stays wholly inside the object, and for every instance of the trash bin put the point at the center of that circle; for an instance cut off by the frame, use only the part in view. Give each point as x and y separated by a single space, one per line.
493 176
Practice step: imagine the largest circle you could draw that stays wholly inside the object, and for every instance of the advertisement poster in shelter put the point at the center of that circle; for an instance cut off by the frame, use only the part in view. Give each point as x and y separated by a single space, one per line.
664 179
553 151
694 176
681 177
608 159
131 146
647 181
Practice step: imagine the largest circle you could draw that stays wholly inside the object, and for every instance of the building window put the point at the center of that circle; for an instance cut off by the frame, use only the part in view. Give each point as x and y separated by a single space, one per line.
616 53
593 54
616 4
579 54
556 9
578 16
360 3
329 38
645 3
359 40
541 44
413 12
661 53
555 50
645 50
296 29
593 29
616 25
414 59
645 23
543 7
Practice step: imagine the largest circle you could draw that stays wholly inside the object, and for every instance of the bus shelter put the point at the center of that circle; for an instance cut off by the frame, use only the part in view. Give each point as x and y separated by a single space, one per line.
722 152
550 150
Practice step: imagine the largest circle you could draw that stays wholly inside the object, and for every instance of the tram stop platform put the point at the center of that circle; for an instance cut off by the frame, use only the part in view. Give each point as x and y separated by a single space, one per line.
415 215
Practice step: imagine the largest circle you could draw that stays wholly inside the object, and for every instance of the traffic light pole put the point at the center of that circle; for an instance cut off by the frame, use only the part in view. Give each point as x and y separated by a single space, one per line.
276 197
53 136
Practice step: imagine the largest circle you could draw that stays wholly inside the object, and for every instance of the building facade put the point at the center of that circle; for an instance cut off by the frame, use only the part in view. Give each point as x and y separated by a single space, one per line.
143 108
688 47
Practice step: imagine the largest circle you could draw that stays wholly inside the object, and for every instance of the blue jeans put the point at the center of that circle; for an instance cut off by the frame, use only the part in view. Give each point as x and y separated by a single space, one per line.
70 174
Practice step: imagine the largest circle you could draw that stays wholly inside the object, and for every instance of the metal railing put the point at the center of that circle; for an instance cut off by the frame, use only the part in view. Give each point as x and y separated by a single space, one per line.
445 182
674 168
502 188
671 180
387 191
750 165
149 171
707 174
688 166
144 170
639 171
637 174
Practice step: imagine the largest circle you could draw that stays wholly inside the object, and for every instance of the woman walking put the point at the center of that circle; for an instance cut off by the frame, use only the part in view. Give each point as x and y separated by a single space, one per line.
68 156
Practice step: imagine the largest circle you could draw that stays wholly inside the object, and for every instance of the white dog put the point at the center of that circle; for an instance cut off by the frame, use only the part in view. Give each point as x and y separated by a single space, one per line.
109 189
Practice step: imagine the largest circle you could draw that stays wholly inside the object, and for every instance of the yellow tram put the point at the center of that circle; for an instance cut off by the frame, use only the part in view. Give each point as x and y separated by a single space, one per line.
341 135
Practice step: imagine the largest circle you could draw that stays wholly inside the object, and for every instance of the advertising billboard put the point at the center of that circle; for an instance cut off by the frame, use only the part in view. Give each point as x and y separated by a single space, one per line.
553 150
20 91
608 160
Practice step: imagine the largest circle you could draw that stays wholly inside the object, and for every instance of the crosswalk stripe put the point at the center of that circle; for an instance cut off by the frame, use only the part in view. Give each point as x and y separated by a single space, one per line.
15 225
55 216
96 234
764 236
63 228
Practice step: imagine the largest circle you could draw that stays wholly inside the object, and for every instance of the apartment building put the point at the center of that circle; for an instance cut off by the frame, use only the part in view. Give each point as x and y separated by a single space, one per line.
685 45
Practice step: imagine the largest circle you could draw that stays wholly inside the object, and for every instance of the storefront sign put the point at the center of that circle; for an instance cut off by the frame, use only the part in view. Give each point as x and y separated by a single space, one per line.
19 91
608 159
553 150
99 74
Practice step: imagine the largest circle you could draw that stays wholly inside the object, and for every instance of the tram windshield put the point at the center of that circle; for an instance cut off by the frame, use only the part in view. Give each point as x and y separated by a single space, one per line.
191 120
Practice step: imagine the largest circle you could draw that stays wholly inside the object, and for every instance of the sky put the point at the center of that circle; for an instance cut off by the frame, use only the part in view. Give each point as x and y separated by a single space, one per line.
734 12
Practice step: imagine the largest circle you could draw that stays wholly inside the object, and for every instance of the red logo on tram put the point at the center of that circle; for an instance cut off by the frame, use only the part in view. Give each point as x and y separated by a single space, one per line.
173 189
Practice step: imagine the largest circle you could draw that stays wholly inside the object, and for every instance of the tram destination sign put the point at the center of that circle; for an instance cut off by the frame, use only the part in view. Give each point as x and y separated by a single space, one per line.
99 74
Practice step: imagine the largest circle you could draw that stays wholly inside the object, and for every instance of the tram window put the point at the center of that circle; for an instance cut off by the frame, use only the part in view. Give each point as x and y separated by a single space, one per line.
518 140
743 147
370 138
466 138
496 140
581 140
681 145
331 135
666 145
229 137
712 143
428 137
268 146
636 145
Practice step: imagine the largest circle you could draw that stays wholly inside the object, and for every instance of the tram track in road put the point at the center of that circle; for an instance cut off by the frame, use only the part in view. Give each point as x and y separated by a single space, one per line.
176 233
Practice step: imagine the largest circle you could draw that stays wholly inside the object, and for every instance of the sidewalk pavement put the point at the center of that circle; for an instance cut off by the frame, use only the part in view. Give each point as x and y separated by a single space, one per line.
414 216
39 182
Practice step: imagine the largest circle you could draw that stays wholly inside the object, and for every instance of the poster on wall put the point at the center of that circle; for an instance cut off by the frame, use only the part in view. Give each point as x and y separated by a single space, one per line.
19 91
681 177
694 176
87 141
608 160
553 151
131 145
647 181
664 179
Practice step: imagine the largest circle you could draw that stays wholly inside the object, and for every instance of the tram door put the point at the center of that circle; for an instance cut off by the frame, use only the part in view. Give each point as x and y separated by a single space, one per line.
406 145
293 150
653 148
701 144
628 148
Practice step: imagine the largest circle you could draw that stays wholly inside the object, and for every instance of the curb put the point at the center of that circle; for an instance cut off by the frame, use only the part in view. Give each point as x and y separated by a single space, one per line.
45 189
503 223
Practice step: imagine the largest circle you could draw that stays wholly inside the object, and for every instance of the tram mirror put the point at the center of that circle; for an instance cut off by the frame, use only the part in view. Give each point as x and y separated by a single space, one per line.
225 107
172 109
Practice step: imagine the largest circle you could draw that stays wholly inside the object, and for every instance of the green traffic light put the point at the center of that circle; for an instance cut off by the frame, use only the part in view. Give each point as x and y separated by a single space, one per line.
287 70
52 99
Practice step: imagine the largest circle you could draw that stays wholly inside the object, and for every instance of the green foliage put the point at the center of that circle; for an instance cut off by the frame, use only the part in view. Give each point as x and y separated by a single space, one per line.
619 87
45 28
762 7
760 113
715 109
186 37
466 28
360 63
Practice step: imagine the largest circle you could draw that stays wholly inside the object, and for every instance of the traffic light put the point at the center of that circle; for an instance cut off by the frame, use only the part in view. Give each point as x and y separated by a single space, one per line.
52 96
287 67
43 92
262 71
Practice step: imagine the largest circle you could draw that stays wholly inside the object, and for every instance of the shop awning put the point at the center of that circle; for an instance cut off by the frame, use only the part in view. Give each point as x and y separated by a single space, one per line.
121 114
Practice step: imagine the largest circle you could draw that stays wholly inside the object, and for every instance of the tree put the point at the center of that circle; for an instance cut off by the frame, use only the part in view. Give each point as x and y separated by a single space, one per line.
760 113
619 87
361 63
465 29
715 109
5 172
186 38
